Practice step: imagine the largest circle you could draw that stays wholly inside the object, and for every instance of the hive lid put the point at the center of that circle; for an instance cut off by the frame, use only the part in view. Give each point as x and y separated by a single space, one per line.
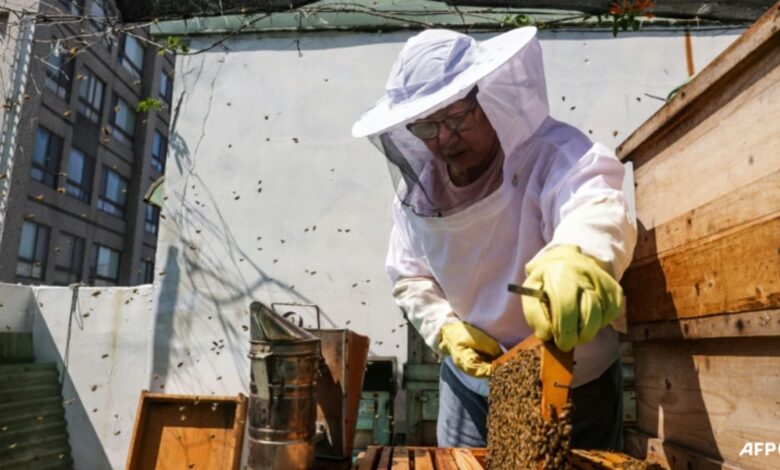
267 325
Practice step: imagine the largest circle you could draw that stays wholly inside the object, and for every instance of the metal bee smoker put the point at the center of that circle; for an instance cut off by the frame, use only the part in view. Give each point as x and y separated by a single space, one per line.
282 402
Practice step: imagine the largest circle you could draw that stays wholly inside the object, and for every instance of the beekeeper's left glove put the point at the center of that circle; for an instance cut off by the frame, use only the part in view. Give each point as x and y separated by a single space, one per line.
472 350
583 297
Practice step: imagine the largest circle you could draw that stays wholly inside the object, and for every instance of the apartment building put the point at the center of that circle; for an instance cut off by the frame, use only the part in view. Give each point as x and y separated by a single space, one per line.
85 154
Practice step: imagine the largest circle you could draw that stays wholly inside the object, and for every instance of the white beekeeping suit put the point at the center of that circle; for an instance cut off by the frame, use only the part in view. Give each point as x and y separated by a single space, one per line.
453 252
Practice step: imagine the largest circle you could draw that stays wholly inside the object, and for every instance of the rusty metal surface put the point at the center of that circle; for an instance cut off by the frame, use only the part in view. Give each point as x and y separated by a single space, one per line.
344 355
282 404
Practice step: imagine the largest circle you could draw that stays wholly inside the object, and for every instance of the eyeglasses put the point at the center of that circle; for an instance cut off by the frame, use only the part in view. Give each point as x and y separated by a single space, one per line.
458 122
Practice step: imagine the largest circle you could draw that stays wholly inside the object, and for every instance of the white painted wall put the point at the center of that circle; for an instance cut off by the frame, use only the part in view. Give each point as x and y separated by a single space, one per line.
115 343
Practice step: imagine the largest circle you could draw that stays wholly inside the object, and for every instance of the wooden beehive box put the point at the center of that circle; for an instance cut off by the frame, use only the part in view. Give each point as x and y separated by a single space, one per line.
187 432
704 287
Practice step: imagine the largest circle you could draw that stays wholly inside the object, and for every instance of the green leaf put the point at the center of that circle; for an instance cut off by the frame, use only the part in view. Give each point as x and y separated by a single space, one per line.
175 44
147 104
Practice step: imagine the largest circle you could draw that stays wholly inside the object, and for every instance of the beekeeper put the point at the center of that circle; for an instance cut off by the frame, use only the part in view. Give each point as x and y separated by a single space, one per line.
491 191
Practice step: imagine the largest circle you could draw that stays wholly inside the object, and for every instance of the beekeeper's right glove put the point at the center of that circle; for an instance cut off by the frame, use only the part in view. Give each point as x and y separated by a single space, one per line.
581 297
472 350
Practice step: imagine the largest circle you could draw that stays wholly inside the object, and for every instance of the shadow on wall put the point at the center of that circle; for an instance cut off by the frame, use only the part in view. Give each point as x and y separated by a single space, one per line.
86 448
202 286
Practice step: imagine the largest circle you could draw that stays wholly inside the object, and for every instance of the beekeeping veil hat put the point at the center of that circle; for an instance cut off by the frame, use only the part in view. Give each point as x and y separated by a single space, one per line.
436 68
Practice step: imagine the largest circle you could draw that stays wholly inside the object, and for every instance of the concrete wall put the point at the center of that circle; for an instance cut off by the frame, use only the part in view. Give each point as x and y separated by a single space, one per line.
114 343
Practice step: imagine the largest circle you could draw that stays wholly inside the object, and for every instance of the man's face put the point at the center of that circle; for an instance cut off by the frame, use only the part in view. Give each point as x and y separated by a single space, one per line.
464 150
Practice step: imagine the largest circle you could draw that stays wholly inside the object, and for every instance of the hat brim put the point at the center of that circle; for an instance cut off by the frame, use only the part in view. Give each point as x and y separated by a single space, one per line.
496 51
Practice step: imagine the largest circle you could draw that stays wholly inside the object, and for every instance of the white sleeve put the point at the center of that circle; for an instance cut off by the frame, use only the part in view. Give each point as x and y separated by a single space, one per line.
415 289
588 208
425 306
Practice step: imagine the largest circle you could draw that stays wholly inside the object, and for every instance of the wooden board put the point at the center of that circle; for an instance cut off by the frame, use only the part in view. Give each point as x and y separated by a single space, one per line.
731 212
761 323
729 143
187 431
711 396
556 368
421 458
736 273
673 456
437 458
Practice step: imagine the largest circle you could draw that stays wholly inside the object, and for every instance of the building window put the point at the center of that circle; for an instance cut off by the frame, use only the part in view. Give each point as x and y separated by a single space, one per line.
159 151
97 16
90 96
131 56
74 7
105 266
46 157
113 194
146 273
81 169
166 87
152 219
122 121
33 247
70 259
59 71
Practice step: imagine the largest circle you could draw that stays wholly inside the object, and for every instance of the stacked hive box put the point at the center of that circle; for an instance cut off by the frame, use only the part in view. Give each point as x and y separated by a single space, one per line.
704 287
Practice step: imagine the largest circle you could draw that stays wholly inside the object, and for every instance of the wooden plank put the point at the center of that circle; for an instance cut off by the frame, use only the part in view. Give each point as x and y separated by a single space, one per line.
764 29
385 458
711 396
400 460
675 457
748 204
730 143
762 323
368 461
556 369
422 459
601 460
737 273
443 459
235 446
465 460
134 455
480 454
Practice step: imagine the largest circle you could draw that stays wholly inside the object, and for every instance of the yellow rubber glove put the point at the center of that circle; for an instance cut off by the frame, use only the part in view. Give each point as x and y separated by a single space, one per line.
583 297
471 349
